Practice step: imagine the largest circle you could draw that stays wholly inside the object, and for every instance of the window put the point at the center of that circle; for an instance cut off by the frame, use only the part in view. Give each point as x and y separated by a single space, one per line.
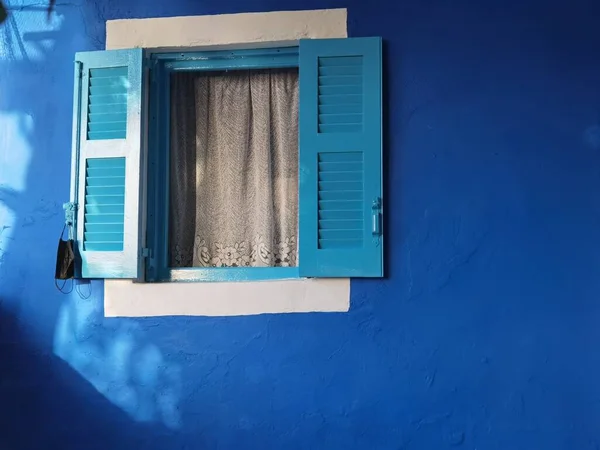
230 154
259 164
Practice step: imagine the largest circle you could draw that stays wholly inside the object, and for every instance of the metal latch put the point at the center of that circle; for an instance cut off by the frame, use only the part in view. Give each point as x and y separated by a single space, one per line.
376 213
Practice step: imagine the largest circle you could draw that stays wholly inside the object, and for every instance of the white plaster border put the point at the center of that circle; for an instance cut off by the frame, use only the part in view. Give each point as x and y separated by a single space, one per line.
123 298
246 29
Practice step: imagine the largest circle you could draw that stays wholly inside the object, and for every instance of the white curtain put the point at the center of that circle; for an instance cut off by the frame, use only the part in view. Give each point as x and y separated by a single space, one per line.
234 169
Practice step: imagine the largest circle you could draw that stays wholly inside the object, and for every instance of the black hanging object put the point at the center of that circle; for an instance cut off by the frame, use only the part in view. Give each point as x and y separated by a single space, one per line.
65 259
66 253
51 7
3 12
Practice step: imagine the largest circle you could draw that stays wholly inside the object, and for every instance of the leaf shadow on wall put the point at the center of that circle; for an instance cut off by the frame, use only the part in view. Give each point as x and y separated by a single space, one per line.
46 404
113 388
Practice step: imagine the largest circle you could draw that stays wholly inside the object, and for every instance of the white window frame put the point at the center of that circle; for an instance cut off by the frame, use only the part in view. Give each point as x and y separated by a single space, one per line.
124 298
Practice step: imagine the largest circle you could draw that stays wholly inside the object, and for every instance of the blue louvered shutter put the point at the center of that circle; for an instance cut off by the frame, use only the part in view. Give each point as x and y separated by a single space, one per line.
106 175
340 158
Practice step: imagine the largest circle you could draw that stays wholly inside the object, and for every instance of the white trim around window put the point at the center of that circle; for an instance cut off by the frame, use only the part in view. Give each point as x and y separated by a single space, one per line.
123 298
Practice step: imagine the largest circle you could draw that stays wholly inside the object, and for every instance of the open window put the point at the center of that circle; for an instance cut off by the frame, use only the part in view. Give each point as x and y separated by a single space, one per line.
259 164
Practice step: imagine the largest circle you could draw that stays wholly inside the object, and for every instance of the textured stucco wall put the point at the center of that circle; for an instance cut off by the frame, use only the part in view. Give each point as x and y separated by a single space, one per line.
483 335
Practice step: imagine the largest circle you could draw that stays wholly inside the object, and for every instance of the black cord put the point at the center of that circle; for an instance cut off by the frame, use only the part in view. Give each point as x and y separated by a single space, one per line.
75 285
61 288
79 291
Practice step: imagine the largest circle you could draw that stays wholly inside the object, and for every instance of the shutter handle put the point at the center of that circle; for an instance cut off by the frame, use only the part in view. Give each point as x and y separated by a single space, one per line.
376 212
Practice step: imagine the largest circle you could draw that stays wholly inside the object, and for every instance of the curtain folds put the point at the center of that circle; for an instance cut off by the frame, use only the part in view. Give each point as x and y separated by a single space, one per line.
234 169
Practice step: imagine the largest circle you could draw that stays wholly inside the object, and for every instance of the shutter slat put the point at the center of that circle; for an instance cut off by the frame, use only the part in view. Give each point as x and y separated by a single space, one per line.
333 205
339 128
347 108
340 176
340 70
351 90
341 80
108 89
108 99
103 171
113 181
328 61
341 195
325 244
108 72
105 199
325 100
104 108
104 209
340 157
341 234
105 135
333 166
108 117
100 126
341 118
105 163
340 224
104 218
341 214
103 227
103 191
326 186
108 81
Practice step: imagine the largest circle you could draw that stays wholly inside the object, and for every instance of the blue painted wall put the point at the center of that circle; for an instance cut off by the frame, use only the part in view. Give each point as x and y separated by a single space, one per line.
483 336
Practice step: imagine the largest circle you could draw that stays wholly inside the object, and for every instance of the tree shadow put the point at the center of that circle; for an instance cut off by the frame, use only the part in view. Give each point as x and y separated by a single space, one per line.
48 405
48 399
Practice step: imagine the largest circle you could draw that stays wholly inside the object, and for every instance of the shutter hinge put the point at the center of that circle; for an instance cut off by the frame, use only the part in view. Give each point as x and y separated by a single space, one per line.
146 252
70 211
70 217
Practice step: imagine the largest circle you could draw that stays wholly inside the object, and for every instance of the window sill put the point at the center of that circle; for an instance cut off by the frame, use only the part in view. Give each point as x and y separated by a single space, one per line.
220 274
124 298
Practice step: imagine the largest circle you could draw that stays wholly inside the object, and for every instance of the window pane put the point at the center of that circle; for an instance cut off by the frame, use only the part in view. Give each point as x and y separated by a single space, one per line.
234 169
